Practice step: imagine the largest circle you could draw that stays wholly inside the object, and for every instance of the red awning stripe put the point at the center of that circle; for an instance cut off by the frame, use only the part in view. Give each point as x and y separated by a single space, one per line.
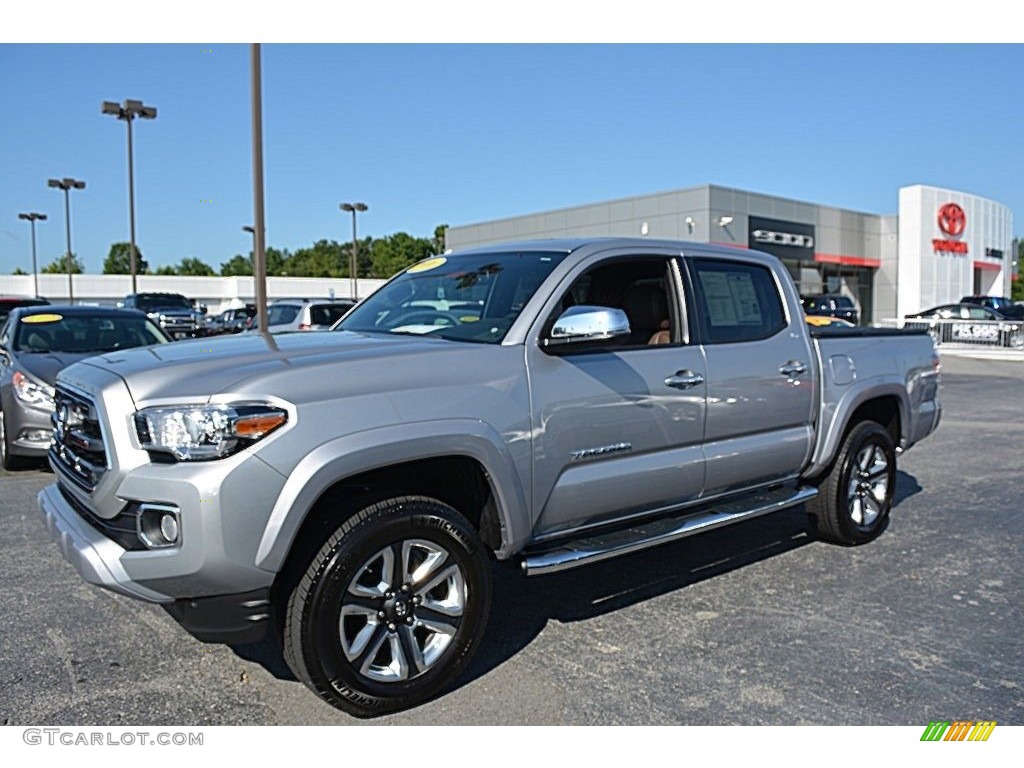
988 266
853 261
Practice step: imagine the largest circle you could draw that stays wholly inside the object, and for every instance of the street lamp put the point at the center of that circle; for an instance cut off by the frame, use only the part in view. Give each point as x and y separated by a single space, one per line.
252 256
128 112
32 218
354 263
67 185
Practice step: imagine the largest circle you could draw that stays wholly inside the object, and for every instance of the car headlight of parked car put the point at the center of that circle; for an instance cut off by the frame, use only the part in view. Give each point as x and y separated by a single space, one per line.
31 392
205 432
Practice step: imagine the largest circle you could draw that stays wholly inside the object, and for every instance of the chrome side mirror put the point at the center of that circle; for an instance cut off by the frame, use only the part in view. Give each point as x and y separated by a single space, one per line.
582 324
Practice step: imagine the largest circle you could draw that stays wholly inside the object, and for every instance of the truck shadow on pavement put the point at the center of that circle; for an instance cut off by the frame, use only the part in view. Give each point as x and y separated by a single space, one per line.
521 607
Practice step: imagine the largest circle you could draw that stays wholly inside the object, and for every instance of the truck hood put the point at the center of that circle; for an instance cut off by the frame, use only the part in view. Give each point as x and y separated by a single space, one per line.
195 370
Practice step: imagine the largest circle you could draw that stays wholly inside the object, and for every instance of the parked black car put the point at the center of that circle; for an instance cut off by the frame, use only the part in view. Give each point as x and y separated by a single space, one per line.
38 342
970 324
234 320
997 303
8 303
171 311
962 311
1004 305
831 305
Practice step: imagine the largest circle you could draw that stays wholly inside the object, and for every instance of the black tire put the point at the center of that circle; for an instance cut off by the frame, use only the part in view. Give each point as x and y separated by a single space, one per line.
855 497
371 649
7 460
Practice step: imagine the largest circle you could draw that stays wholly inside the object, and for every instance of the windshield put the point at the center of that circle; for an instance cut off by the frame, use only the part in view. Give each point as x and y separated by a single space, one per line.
84 333
148 301
463 298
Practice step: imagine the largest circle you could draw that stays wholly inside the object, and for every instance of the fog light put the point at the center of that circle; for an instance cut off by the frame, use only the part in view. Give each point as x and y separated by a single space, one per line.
169 528
38 435
158 525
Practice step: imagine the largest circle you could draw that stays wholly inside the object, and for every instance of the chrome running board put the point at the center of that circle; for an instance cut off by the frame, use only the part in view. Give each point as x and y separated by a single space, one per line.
571 553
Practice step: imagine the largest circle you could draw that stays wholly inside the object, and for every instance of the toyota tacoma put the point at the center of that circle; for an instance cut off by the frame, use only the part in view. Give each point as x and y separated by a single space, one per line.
548 403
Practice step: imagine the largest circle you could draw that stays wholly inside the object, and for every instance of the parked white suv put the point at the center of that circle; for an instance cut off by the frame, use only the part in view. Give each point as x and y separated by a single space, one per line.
302 315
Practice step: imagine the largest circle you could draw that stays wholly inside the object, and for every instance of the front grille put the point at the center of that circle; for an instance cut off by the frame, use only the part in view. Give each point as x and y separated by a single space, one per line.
177 323
77 450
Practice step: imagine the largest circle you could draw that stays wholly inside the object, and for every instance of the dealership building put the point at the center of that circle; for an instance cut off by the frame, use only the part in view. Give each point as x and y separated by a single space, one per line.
941 245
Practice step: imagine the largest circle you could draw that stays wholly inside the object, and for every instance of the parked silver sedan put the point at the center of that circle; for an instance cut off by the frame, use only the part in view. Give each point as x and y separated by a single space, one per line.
35 344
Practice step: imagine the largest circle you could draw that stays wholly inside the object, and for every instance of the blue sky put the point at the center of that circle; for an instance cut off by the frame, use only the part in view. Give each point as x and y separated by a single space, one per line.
431 133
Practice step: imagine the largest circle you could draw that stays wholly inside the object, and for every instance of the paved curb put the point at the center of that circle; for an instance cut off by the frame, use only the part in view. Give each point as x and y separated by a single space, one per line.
1008 355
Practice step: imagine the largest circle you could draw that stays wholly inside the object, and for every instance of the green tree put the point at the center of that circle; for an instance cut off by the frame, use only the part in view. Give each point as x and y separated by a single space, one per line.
327 258
394 253
439 232
167 269
237 266
195 267
59 266
118 261
241 266
19 271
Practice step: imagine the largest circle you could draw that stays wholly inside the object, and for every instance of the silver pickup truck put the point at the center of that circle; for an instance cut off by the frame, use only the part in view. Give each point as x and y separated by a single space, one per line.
549 403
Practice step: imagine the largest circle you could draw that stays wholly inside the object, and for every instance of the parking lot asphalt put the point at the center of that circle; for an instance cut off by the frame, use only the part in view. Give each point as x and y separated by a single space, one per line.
757 624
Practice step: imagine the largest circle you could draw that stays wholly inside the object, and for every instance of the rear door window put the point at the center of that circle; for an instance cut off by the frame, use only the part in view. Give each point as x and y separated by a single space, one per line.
281 314
736 301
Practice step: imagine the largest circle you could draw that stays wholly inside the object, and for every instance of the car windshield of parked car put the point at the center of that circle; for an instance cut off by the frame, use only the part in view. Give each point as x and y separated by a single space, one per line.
54 332
150 301
472 298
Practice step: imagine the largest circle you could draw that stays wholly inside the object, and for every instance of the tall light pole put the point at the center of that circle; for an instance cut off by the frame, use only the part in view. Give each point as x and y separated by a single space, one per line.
128 112
67 185
353 260
259 255
32 218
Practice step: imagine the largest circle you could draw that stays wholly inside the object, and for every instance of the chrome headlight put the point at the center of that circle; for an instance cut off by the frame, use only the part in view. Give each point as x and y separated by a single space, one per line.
32 392
204 432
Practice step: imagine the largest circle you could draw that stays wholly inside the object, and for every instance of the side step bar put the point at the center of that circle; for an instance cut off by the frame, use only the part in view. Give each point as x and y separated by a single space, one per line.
602 546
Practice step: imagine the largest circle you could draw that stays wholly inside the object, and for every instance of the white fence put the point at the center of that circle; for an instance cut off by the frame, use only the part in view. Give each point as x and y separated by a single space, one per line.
217 293
984 333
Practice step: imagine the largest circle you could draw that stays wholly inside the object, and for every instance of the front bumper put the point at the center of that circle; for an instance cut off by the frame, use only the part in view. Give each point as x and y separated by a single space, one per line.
28 430
96 558
234 618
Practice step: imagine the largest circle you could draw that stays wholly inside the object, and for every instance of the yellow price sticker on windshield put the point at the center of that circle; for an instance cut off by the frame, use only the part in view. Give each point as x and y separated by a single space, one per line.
42 318
426 266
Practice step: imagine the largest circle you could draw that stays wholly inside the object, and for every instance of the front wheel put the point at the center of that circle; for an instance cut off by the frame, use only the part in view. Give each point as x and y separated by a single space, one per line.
7 459
853 502
391 608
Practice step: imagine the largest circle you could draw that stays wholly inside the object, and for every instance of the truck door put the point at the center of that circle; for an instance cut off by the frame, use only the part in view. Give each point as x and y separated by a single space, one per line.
760 376
617 426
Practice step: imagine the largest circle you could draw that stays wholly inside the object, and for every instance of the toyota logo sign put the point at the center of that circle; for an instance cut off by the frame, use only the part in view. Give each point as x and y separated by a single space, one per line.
952 219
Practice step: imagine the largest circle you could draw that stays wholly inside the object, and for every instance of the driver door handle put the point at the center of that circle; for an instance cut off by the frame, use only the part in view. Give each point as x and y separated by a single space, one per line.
684 380
793 368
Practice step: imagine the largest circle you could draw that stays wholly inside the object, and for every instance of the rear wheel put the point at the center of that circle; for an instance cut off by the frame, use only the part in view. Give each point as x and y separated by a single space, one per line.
391 608
854 500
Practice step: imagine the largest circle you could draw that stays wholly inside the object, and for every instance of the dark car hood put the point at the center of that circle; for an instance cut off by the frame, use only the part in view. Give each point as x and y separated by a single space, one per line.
46 365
